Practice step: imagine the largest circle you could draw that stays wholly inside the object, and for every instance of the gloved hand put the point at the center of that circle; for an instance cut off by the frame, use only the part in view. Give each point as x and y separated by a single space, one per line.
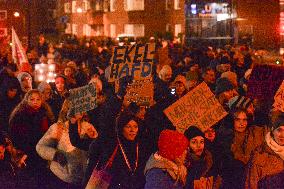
60 158
123 83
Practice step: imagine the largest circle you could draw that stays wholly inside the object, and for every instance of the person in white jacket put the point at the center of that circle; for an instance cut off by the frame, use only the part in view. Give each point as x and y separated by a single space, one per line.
67 162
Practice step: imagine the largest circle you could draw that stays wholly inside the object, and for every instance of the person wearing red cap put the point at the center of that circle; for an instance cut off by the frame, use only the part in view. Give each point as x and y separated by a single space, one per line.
165 169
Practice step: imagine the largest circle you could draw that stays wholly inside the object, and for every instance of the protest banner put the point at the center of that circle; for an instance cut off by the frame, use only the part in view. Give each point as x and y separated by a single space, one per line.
279 98
134 60
82 99
264 81
198 107
141 92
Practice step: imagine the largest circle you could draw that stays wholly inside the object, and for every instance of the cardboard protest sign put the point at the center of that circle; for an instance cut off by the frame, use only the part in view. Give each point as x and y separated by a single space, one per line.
264 81
141 92
199 107
133 60
82 99
279 98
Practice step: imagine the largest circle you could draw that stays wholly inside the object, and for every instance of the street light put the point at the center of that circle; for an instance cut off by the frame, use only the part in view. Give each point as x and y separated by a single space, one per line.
16 14
79 10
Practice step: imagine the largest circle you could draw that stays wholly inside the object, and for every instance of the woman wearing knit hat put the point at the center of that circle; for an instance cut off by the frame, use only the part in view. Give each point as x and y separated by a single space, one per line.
266 167
200 167
224 90
165 169
130 155
236 141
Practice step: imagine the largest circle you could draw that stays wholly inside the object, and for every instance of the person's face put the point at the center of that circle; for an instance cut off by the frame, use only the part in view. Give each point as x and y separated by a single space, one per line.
26 83
35 101
194 68
240 122
60 84
11 93
180 88
210 77
46 93
167 76
187 60
164 44
228 94
250 109
141 113
210 134
68 72
279 135
2 152
130 130
196 144
191 84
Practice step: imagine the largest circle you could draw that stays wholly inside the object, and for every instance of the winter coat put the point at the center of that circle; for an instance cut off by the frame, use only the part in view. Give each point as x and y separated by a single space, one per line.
122 178
265 170
201 169
27 127
159 174
56 103
57 138
234 150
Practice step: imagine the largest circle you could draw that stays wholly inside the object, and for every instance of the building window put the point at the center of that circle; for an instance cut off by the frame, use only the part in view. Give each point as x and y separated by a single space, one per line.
168 27
87 30
74 29
99 5
74 8
3 14
99 30
177 29
131 5
67 7
177 4
168 4
3 32
68 28
86 5
134 29
112 5
112 30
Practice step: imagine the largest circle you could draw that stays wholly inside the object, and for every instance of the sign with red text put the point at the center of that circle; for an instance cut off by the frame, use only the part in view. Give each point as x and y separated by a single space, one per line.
133 60
198 107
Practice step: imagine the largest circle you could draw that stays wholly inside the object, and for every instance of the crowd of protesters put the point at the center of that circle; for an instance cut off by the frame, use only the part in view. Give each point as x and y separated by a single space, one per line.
137 146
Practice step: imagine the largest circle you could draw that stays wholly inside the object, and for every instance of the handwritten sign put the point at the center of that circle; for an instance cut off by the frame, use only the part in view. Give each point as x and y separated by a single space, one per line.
134 60
141 92
198 107
264 81
279 98
82 99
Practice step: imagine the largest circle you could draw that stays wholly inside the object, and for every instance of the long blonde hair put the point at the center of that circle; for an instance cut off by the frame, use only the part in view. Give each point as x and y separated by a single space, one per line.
24 103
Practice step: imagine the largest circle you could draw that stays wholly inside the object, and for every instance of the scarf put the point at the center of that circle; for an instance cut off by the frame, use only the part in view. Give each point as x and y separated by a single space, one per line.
177 172
279 150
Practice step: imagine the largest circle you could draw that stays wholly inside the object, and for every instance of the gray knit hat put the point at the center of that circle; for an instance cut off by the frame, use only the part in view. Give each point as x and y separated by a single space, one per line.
239 102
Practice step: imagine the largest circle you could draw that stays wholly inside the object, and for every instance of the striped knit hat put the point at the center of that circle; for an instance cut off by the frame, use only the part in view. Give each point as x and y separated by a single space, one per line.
239 102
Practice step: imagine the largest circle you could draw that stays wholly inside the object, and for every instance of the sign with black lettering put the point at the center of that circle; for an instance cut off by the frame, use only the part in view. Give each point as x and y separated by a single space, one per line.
264 81
134 60
198 107
82 99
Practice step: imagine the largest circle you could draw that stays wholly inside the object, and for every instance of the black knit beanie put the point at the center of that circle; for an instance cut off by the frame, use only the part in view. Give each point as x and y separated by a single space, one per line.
192 132
223 85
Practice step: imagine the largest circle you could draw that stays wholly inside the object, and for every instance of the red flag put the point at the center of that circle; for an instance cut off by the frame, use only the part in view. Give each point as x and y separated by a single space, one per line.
19 55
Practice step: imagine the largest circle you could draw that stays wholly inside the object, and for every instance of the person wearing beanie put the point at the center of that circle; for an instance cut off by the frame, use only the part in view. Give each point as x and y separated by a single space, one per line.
266 166
236 141
200 167
192 78
224 90
25 80
179 85
130 155
165 169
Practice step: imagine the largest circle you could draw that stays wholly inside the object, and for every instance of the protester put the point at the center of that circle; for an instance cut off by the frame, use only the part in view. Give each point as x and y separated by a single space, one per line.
266 166
25 80
165 169
224 90
67 162
209 78
179 86
200 169
130 155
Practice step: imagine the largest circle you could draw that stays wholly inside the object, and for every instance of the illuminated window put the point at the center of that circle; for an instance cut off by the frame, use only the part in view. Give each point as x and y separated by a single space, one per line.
168 27
130 5
177 29
74 8
67 7
74 29
87 30
86 5
99 5
68 28
112 30
177 5
134 29
99 30
112 5
167 4
3 14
